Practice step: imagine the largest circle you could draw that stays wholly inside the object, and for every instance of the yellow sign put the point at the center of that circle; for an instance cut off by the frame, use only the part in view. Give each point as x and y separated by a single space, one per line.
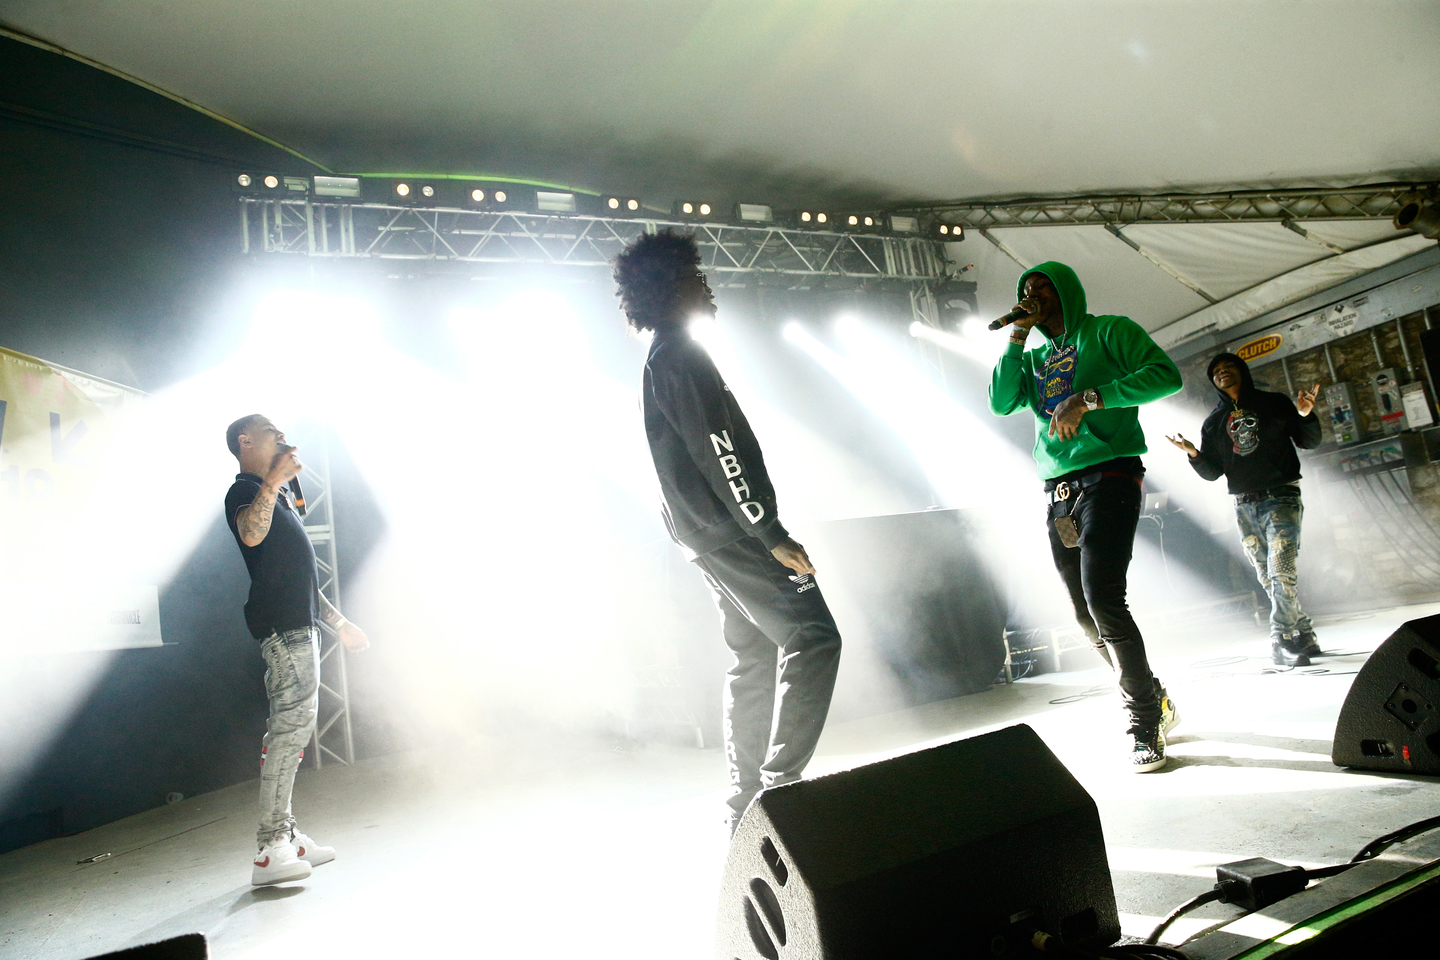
1259 347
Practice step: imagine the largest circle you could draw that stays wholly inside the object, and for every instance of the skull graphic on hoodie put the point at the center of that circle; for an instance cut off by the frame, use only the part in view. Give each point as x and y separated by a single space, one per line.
1244 429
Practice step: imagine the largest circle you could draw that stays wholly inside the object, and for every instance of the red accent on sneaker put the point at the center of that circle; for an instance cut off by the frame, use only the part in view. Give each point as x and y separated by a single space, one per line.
301 851
263 863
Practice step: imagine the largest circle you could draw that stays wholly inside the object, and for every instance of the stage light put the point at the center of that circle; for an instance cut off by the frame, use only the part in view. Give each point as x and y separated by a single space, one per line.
411 191
948 230
858 222
754 213
814 220
337 186
272 182
617 206
550 201
243 179
692 210
484 195
903 225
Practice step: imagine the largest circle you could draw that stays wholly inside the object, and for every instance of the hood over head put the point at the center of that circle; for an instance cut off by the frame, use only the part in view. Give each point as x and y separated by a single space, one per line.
1067 286
1247 384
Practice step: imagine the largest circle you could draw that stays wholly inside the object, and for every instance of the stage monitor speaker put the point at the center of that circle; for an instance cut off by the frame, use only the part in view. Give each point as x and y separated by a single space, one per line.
960 850
1391 718
187 946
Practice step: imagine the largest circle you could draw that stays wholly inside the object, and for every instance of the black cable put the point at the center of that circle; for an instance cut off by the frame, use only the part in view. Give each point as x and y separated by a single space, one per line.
1378 846
1221 892
1209 896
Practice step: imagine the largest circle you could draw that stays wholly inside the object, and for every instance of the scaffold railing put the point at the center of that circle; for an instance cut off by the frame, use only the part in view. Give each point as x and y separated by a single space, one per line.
302 226
1374 202
334 738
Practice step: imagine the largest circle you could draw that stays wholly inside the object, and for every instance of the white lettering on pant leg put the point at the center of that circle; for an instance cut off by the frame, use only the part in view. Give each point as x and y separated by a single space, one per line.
731 465
755 514
741 489
723 440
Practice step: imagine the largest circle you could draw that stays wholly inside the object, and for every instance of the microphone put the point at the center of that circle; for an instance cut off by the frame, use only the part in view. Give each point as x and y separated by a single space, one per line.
295 492
1016 314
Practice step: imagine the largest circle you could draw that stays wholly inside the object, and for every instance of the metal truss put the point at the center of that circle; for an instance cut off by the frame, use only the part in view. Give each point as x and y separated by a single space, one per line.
334 737
1375 202
789 257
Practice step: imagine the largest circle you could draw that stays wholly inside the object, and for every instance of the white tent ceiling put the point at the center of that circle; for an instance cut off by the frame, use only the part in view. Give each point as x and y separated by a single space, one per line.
858 100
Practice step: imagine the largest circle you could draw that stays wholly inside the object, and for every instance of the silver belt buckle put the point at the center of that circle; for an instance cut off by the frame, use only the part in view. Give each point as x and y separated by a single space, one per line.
1062 490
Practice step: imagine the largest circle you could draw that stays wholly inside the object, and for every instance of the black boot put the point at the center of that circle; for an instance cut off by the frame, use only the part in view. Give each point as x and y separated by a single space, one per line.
1288 653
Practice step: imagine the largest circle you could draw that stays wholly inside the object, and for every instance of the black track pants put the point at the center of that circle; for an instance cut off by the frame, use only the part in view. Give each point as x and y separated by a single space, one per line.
1095 574
787 652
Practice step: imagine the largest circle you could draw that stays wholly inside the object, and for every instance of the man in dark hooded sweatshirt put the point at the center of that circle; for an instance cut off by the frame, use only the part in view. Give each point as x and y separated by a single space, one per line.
1251 437
719 506
1083 385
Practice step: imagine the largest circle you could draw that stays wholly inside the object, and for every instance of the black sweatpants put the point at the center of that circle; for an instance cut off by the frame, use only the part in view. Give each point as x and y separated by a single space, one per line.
787 652
1095 574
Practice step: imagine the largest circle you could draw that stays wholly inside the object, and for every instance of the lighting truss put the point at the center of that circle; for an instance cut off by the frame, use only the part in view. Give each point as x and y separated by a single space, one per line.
334 738
1375 202
457 236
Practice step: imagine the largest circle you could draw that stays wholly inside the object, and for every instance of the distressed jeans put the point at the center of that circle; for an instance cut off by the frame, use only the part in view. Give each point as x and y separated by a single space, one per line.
1270 534
292 682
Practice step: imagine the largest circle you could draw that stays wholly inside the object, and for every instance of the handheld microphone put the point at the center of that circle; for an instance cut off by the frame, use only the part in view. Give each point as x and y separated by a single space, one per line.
1016 314
295 493
297 496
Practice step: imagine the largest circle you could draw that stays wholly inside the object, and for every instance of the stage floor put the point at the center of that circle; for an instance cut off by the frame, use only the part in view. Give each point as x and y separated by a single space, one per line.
578 852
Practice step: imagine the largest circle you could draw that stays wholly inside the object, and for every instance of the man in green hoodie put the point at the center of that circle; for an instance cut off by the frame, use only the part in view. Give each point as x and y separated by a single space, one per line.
1083 385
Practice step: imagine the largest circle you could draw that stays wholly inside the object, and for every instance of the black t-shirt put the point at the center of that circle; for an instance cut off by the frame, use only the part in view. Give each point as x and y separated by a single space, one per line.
283 585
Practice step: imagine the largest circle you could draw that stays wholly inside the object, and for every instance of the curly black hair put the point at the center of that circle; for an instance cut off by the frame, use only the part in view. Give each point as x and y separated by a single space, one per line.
647 272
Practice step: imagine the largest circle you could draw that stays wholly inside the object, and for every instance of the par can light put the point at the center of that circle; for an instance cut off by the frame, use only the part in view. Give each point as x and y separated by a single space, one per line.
617 206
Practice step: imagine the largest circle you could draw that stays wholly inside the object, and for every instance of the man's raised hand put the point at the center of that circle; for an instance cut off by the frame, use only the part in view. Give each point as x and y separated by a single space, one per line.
1305 400
1180 441
284 467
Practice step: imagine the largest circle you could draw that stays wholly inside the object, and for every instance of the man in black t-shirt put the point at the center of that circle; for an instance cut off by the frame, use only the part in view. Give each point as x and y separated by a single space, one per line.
281 612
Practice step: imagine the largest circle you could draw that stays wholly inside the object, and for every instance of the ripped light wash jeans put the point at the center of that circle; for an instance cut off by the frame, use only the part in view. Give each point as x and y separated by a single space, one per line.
1270 534
292 682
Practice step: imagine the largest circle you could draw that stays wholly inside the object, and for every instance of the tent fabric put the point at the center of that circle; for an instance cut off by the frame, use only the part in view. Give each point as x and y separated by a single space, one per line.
1250 268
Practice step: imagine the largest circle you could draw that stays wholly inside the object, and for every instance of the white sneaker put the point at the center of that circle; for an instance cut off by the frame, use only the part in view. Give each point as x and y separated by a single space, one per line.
277 862
310 851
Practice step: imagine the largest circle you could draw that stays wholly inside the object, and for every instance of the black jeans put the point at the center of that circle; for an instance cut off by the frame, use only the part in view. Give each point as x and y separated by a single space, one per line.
787 652
1094 572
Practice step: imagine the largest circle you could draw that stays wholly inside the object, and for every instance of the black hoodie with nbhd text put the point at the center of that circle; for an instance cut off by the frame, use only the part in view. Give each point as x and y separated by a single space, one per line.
712 476
1252 440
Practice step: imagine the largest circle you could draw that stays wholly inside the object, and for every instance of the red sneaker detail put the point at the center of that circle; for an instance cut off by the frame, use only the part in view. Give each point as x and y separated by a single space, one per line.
301 851
263 863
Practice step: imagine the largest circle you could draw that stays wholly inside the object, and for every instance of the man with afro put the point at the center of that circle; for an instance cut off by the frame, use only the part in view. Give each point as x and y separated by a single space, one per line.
719 506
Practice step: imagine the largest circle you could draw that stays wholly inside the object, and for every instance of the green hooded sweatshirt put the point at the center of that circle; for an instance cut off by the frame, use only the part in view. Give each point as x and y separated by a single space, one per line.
1112 354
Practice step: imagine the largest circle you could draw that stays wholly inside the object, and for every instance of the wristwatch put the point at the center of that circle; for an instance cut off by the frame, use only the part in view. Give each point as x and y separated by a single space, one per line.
1091 398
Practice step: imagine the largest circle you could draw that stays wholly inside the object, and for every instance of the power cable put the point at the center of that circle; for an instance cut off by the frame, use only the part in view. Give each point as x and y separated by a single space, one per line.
1255 884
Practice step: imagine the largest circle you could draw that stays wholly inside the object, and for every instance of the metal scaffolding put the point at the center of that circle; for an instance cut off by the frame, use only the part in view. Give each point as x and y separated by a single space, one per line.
333 735
465 238
1375 202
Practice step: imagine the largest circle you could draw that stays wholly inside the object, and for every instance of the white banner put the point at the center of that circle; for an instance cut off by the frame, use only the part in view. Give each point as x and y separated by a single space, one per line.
57 592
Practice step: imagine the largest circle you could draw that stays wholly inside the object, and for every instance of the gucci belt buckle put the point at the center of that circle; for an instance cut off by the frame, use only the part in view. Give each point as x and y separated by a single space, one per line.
1062 490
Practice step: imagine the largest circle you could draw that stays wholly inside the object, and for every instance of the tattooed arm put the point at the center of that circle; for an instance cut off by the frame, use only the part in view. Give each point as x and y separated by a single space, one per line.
253 519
